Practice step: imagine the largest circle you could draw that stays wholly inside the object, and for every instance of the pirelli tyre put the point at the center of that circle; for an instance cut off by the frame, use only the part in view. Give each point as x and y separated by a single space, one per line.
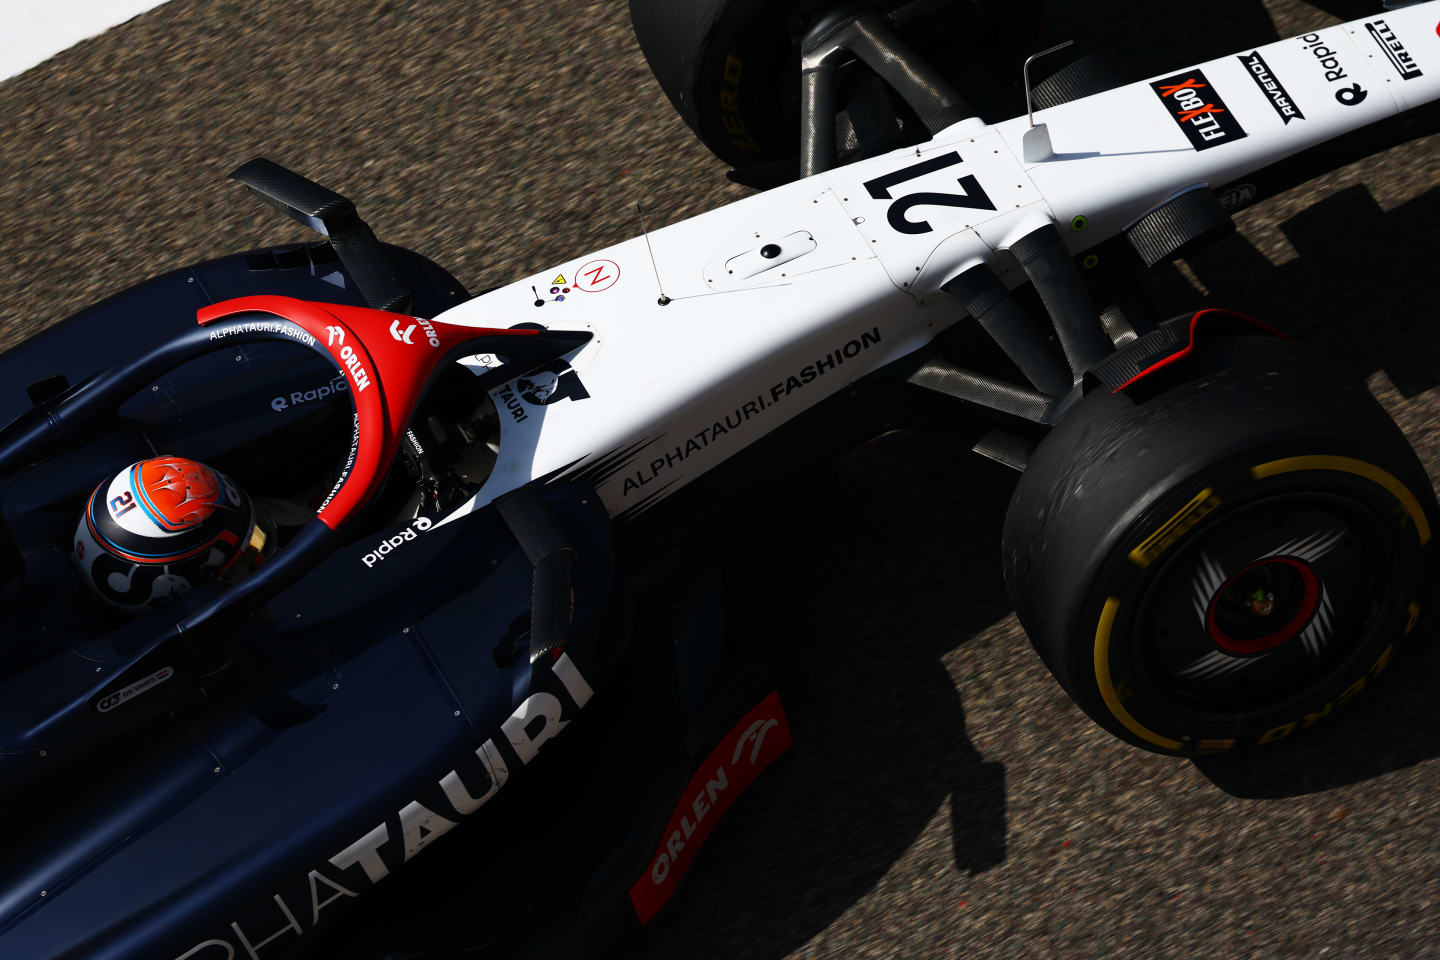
1226 557
731 68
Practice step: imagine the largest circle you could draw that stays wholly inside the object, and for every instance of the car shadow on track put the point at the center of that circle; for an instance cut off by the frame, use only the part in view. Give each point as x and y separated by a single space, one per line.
879 576
1390 728
882 570
1360 289
1154 39
1357 283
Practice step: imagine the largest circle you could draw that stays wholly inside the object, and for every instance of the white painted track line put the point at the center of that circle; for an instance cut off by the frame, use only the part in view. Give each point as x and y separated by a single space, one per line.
33 31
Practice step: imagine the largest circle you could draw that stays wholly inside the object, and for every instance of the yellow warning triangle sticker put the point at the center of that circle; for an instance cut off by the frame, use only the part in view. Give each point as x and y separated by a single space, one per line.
559 278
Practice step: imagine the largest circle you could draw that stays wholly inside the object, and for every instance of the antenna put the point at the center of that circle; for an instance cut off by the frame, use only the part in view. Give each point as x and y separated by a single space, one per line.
646 234
1035 145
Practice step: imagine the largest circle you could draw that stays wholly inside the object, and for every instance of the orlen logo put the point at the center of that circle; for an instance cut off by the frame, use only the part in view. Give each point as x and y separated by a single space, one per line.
126 694
282 403
391 543
349 357
751 745
404 335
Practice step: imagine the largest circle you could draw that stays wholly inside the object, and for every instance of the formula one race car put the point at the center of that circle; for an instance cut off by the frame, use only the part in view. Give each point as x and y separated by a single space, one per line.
307 555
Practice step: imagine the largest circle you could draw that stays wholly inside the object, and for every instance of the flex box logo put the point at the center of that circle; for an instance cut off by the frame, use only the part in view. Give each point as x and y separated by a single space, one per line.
1198 110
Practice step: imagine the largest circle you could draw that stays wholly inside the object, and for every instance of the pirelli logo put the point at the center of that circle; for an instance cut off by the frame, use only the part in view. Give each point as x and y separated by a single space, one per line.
1393 49
1174 528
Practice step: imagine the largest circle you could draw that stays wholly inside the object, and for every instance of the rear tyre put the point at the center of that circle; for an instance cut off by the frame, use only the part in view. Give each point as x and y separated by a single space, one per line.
1226 558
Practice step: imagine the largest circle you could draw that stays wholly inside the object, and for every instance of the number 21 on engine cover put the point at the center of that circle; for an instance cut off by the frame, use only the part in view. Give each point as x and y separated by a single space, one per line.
906 202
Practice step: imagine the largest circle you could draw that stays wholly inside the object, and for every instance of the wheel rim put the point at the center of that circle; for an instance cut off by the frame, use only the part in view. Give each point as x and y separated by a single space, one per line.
1264 604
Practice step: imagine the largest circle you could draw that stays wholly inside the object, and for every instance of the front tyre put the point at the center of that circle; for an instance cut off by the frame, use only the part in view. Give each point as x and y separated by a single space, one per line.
1224 561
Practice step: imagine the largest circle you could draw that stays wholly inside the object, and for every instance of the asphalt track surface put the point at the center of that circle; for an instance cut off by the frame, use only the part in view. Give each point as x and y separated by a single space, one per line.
944 798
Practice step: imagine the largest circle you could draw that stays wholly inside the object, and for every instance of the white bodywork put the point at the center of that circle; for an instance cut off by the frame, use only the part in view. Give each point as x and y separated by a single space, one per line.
748 341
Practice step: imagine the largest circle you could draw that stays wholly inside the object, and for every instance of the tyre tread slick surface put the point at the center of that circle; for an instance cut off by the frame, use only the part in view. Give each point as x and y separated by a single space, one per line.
1247 418
703 53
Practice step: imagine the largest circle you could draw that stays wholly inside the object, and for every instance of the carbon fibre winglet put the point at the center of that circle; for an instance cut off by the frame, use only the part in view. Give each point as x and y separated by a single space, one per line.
552 556
327 212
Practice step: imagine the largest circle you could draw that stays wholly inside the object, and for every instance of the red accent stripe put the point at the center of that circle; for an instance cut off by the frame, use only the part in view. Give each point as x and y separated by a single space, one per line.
1308 602
1185 351
751 745
109 546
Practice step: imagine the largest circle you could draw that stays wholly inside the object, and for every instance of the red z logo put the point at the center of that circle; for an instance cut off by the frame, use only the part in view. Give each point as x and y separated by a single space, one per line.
597 275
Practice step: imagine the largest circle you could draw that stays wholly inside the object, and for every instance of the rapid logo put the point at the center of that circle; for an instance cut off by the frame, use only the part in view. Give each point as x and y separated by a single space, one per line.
1350 95
1393 49
1198 110
1278 96
400 539
751 745
281 404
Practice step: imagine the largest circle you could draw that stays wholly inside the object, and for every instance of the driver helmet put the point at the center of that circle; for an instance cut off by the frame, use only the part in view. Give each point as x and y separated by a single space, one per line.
161 526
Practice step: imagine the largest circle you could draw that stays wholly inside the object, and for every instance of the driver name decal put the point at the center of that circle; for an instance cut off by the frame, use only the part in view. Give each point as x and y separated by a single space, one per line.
1198 110
125 694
